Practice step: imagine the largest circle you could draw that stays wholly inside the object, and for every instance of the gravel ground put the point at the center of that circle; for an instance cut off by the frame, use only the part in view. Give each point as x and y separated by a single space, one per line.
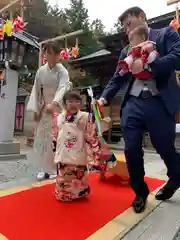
11 170
16 170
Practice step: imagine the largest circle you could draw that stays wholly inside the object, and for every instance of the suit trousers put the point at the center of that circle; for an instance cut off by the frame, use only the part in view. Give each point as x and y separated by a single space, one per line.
138 115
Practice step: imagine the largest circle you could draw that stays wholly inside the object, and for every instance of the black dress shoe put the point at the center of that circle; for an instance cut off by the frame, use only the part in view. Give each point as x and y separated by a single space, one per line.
139 204
166 192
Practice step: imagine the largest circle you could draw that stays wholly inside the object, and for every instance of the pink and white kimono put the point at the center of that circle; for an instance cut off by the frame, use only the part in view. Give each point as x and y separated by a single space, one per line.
76 134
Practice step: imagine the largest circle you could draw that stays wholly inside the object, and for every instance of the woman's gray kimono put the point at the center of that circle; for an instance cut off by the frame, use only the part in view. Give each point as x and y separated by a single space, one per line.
50 85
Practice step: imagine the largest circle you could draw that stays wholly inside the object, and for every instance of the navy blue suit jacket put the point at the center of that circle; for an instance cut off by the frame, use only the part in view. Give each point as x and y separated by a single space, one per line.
163 69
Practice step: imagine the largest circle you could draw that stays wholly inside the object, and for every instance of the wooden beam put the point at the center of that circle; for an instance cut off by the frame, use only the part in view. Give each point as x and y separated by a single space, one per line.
8 6
11 13
177 14
22 9
68 35
170 2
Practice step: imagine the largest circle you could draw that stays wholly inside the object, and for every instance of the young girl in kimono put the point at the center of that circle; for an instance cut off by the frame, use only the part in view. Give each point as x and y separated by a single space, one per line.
75 132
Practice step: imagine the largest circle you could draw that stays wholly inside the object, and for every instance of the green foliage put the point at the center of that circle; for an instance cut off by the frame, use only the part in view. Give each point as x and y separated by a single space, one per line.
45 21
98 28
118 27
77 15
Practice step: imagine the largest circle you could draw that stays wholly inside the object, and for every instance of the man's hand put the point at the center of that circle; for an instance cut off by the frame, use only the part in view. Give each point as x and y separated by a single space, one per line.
101 102
137 66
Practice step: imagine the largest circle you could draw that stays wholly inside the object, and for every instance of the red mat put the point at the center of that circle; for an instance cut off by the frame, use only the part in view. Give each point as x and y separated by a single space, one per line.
35 214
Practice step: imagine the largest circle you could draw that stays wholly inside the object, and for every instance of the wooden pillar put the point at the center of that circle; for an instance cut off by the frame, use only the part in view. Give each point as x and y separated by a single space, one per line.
11 13
22 9
177 14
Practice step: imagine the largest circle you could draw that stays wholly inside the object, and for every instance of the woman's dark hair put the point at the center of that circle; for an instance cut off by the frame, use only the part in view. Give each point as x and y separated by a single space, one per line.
51 46
133 11
71 95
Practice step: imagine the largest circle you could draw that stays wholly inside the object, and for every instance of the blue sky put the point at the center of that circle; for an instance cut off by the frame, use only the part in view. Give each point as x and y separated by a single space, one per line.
108 11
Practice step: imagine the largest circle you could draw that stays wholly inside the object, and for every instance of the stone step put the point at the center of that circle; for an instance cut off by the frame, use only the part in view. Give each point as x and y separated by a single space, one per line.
10 157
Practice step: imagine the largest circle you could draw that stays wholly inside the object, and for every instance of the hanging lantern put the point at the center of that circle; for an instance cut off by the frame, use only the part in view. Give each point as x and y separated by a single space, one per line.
65 54
75 52
7 28
18 24
174 24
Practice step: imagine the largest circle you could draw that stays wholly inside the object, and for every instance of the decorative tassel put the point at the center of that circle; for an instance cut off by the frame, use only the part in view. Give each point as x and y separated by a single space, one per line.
7 28
18 25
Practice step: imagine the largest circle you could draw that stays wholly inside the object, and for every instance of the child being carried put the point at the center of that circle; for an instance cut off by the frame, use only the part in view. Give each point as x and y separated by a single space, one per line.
141 53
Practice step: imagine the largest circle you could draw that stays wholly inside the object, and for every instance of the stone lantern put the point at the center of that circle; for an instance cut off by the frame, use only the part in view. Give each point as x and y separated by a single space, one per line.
12 51
12 55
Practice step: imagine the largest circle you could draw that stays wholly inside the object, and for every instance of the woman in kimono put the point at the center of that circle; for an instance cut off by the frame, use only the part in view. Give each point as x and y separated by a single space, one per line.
51 83
76 135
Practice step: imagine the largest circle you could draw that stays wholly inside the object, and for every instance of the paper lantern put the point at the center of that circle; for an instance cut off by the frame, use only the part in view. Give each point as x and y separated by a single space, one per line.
18 24
75 52
7 28
65 54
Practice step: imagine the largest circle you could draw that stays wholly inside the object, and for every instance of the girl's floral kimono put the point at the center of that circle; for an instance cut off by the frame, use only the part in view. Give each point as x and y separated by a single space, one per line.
76 137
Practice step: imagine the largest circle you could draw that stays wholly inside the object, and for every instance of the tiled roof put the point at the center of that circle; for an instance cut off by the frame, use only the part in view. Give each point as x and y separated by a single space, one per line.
100 53
27 38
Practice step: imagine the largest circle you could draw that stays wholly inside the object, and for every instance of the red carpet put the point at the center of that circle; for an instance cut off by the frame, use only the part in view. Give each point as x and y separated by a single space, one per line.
35 214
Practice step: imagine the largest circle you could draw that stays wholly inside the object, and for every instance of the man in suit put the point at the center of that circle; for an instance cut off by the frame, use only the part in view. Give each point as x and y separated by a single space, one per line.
149 105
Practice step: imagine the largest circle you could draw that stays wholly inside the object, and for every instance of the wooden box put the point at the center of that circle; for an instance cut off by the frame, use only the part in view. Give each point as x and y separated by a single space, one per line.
106 124
121 169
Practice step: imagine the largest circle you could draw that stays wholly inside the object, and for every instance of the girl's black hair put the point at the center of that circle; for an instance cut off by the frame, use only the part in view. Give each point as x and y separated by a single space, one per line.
51 46
71 95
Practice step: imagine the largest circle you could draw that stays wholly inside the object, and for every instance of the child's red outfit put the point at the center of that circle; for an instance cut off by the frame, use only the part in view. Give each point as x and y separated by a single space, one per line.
146 53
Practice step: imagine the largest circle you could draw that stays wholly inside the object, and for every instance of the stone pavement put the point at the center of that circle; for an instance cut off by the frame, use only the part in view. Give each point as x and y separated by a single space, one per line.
16 172
161 224
164 222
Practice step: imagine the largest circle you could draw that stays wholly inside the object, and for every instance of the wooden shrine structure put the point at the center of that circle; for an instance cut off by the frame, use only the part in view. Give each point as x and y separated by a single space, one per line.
102 64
